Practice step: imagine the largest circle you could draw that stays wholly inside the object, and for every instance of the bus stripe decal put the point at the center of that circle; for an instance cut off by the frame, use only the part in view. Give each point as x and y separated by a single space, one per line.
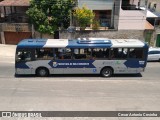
133 64
22 65
72 64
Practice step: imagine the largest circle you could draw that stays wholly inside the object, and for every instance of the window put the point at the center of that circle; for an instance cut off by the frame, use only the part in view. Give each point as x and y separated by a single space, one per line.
23 55
118 53
154 52
68 53
62 53
100 53
136 53
82 53
44 53
133 4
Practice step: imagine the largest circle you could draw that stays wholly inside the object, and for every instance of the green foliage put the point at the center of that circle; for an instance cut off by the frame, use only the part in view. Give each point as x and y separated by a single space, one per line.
95 24
48 15
84 16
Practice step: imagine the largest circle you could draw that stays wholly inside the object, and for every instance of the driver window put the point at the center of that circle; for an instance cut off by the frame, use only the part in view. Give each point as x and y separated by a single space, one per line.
23 56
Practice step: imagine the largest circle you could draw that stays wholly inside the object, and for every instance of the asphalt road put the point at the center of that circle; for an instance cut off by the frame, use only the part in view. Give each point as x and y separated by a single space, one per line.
79 92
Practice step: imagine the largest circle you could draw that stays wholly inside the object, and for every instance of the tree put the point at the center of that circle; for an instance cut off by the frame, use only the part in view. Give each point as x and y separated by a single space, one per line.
84 16
48 15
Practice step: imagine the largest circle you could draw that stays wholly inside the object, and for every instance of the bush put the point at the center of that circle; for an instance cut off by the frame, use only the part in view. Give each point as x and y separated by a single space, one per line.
95 25
84 16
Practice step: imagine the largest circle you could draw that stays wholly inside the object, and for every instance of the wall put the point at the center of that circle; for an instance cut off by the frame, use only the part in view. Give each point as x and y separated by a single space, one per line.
0 39
96 4
132 19
116 13
112 34
45 36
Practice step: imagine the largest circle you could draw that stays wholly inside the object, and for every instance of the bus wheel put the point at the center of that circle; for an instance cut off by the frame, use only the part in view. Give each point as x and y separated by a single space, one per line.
107 72
42 72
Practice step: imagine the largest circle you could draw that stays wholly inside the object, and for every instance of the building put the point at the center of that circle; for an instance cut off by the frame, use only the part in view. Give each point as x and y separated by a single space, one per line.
122 18
133 16
154 8
117 19
104 12
119 14
14 24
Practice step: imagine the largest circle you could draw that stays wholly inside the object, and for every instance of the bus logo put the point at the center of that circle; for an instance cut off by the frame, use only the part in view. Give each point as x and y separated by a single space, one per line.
55 64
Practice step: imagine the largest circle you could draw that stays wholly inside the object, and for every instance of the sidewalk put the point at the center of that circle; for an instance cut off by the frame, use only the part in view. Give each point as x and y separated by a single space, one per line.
7 50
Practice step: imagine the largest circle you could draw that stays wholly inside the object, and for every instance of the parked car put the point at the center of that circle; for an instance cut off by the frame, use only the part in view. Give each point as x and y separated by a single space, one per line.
154 54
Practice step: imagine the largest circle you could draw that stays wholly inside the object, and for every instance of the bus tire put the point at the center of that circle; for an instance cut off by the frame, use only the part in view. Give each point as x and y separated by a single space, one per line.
42 72
107 72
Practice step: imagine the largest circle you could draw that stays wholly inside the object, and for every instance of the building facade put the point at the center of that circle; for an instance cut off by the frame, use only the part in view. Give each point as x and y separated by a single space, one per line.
154 7
123 19
117 19
14 24
104 12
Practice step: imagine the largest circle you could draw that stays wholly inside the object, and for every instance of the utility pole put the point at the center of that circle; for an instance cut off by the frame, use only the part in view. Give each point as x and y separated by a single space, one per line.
71 29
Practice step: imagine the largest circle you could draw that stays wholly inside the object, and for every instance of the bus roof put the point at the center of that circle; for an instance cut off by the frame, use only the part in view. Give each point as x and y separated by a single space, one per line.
78 43
127 43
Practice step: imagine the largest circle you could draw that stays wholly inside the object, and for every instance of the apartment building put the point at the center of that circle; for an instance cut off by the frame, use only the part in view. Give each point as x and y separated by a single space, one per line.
14 24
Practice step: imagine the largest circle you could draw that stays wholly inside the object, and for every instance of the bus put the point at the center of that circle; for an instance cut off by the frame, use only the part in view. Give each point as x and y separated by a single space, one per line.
43 57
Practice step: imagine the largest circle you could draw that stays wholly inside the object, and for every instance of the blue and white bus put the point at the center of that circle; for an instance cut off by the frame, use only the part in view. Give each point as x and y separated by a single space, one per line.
92 56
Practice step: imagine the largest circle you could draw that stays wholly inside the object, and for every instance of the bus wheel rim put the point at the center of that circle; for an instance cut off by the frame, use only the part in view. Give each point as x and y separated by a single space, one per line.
106 72
42 72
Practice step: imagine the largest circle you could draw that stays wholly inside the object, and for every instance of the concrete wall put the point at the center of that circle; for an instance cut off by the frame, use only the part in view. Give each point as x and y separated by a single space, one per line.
45 36
132 19
121 34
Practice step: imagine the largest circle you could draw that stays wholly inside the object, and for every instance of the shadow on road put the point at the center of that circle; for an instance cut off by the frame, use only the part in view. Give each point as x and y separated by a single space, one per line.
80 75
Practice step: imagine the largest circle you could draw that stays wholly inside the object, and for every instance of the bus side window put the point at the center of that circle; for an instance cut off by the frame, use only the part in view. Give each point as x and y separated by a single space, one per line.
100 53
118 53
63 53
136 53
67 53
82 53
122 53
55 53
132 53
44 53
139 53
112 54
